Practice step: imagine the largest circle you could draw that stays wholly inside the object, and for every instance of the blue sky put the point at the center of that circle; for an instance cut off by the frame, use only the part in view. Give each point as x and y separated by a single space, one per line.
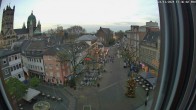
91 14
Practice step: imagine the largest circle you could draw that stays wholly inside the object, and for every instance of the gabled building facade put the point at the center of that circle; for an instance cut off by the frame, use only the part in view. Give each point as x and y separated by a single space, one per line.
104 35
150 51
32 57
56 72
132 42
11 64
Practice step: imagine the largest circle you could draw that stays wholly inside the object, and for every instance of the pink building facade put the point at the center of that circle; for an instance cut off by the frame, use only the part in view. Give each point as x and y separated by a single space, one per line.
55 72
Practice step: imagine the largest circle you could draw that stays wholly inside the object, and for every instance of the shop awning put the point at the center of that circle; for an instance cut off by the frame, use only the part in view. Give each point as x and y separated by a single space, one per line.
31 93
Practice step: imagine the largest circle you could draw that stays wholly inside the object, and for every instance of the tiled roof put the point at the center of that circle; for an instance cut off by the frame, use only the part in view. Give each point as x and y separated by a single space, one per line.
106 30
151 36
66 47
53 50
4 52
21 31
87 38
37 45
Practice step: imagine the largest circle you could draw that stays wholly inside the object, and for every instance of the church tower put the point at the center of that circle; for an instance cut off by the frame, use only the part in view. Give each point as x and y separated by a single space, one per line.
31 29
39 26
24 27
8 35
32 19
8 19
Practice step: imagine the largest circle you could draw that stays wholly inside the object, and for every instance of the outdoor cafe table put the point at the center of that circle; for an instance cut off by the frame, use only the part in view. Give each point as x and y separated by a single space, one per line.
146 89
53 97
20 105
59 99
48 96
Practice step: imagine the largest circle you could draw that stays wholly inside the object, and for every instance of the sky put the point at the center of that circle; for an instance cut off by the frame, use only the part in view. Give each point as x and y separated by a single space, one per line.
90 14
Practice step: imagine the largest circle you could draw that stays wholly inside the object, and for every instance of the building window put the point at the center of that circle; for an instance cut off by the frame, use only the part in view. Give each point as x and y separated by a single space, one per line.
12 58
4 61
6 72
14 67
41 68
50 66
19 76
17 66
9 58
16 57
57 74
40 60
11 69
20 65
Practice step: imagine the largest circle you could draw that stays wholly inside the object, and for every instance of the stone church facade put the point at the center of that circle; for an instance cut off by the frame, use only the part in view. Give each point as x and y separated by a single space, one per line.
9 35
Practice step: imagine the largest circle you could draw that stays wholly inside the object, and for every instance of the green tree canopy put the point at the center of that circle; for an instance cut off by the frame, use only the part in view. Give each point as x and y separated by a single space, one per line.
15 87
34 82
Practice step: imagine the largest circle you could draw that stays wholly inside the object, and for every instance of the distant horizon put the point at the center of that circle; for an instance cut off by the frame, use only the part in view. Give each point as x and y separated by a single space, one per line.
90 14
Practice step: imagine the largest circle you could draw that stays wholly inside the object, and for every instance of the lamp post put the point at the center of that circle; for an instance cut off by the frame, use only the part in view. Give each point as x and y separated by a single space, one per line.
147 96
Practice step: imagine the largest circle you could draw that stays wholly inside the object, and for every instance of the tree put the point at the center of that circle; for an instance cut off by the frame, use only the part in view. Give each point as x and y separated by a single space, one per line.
111 41
131 84
119 34
75 31
34 82
71 55
128 54
16 88
52 32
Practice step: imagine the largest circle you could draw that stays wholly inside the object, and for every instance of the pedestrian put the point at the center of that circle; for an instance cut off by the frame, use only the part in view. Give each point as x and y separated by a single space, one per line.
145 102
147 93
98 84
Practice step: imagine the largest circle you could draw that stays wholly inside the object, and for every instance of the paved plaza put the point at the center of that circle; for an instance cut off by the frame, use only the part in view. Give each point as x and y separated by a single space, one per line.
110 95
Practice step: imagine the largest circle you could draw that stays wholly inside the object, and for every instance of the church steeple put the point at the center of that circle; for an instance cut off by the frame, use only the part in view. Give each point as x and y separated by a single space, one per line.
38 23
39 26
24 27
31 29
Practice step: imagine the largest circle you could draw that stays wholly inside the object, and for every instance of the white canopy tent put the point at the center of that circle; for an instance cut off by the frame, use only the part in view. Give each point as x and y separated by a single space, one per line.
31 93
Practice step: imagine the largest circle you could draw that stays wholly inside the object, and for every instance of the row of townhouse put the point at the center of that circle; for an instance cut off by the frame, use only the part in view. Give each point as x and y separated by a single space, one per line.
38 58
144 44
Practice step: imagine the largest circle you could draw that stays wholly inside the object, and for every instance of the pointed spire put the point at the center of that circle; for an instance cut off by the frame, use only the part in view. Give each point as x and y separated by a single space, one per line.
38 23
24 27
32 12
